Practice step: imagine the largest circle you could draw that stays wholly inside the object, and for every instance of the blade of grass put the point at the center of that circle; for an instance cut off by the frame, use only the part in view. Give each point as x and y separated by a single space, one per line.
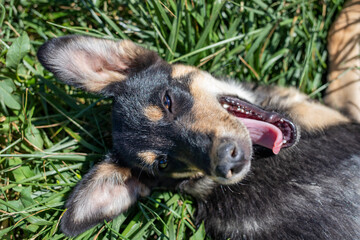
174 32
112 24
70 119
209 26
240 36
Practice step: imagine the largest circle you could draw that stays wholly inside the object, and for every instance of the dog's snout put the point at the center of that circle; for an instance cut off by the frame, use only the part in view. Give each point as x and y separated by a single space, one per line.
229 151
230 159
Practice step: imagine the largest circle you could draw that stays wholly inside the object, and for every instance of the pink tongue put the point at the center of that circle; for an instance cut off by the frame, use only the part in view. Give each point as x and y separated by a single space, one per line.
264 134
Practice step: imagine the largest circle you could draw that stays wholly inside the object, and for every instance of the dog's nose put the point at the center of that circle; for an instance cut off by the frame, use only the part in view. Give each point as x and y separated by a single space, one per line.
230 159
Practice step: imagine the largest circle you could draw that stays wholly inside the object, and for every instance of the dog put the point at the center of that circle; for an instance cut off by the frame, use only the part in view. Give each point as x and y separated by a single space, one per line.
262 162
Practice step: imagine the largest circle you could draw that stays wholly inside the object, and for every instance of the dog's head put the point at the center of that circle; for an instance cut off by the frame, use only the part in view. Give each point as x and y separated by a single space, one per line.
173 124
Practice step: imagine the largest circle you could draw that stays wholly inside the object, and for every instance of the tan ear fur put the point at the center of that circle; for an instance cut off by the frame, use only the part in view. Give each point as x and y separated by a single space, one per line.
105 192
93 63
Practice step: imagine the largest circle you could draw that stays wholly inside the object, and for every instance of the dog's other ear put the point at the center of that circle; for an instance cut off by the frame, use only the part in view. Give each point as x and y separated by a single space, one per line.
105 192
93 63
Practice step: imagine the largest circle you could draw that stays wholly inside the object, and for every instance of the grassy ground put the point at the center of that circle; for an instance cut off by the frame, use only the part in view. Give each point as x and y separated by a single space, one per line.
50 134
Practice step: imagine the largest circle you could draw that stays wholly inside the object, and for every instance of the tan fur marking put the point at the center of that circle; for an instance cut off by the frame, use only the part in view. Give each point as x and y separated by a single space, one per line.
210 116
148 157
108 170
130 50
310 115
313 116
96 63
189 174
125 52
180 70
153 113
107 193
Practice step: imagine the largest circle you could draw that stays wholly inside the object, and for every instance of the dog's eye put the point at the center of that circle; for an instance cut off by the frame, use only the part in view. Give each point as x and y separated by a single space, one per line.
163 162
167 102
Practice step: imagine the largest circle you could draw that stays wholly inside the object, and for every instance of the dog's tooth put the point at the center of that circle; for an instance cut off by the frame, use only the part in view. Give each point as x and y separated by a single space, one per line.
226 106
247 112
242 110
284 141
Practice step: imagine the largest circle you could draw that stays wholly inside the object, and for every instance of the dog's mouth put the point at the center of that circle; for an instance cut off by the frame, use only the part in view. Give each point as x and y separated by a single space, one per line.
267 129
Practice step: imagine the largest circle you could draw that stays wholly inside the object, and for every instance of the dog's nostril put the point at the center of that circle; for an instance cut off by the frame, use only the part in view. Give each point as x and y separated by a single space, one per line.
229 152
234 153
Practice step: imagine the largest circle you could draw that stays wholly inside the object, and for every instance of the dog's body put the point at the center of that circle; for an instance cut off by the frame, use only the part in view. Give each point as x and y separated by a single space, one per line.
262 162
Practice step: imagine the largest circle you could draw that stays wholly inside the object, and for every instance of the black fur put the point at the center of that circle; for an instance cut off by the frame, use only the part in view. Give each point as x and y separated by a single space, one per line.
308 192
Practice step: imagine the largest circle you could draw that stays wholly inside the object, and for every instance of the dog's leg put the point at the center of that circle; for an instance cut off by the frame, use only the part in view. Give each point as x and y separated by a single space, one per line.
343 92
309 114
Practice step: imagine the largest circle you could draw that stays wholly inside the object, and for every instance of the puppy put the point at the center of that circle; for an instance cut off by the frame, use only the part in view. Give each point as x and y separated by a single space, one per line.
262 162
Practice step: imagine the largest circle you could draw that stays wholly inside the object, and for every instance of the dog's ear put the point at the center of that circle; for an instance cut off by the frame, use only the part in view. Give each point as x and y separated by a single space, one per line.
93 63
105 192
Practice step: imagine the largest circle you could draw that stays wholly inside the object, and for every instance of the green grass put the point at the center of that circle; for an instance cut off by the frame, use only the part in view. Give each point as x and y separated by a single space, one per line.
51 134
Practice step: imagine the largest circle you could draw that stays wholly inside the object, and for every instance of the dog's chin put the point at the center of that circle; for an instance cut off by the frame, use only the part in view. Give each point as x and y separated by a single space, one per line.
200 185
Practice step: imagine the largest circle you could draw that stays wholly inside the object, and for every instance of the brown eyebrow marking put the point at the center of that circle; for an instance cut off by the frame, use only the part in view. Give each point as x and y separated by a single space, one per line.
153 113
148 157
